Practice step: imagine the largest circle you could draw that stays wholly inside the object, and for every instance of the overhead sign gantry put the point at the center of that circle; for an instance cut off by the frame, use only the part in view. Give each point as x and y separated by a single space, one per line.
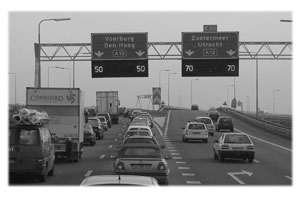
119 55
210 54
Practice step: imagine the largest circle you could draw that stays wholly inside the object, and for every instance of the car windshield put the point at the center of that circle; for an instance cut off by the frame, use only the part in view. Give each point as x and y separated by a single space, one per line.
23 137
237 138
204 120
139 140
227 120
136 128
196 126
138 152
94 123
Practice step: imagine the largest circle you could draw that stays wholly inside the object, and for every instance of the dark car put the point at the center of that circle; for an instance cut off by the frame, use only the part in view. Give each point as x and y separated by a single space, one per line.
224 123
214 115
194 107
97 127
108 118
89 136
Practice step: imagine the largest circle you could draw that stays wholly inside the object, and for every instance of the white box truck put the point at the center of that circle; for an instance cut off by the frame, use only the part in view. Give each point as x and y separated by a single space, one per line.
108 102
65 109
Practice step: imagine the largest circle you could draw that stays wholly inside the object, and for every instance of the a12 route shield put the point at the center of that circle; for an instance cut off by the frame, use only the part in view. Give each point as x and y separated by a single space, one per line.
107 69
211 67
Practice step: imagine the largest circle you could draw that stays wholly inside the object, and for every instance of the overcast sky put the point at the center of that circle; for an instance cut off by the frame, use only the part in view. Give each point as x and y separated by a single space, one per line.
164 27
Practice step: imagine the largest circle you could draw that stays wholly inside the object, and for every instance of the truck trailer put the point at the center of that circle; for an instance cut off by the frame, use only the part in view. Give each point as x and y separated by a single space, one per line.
108 102
66 112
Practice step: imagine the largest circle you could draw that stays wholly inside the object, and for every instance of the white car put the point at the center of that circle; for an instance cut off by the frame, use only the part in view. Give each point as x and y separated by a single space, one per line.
234 145
209 124
138 127
194 131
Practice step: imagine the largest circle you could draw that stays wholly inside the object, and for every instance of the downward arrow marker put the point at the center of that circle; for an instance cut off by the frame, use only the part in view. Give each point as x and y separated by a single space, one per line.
139 53
230 52
189 53
99 53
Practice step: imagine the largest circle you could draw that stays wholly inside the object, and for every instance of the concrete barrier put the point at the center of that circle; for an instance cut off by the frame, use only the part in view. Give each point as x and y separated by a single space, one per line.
270 127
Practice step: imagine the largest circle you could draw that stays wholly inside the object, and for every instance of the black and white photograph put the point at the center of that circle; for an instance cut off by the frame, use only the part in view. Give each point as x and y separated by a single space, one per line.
156 98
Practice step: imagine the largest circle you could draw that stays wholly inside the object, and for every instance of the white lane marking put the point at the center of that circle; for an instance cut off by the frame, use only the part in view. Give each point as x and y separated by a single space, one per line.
175 153
264 141
167 125
116 139
180 162
177 158
188 174
183 168
88 173
171 147
193 182
157 128
102 156
110 146
233 175
119 134
288 177
256 161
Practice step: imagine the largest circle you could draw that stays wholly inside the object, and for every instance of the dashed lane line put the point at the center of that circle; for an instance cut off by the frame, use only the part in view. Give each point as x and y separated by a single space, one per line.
88 173
288 177
175 153
177 158
102 156
183 168
188 174
193 182
256 161
180 162
171 147
110 146
116 139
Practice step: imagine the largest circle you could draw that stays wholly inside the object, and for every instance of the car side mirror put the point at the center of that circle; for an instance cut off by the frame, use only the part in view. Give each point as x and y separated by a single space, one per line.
168 157
162 146
113 156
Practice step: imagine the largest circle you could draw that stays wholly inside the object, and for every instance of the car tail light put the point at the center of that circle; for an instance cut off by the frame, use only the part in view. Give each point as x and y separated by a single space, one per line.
161 166
250 147
40 163
225 146
120 166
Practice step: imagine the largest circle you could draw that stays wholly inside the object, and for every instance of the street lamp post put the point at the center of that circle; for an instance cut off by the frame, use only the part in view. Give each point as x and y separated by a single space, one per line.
169 87
39 50
227 92
274 99
192 90
15 76
60 68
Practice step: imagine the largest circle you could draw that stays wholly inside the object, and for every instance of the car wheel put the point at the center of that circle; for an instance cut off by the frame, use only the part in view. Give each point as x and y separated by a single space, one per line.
250 160
42 178
51 172
215 155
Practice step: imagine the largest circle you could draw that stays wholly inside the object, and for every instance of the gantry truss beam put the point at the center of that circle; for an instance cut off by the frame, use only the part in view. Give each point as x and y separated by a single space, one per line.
167 51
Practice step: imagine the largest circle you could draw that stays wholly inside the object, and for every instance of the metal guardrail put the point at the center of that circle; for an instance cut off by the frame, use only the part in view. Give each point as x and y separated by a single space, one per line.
268 126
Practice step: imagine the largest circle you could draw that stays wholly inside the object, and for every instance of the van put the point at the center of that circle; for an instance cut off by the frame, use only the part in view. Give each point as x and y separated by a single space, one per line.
31 152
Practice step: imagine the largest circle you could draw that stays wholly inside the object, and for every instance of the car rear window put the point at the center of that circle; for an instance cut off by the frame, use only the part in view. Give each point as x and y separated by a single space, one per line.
135 128
139 140
142 133
24 137
196 126
140 152
94 123
238 139
204 120
228 120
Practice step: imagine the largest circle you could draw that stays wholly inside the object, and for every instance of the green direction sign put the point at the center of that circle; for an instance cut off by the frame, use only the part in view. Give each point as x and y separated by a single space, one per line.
119 46
210 45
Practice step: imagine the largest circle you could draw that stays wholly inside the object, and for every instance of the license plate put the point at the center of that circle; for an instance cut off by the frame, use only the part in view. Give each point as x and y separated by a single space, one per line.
196 132
237 148
141 166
